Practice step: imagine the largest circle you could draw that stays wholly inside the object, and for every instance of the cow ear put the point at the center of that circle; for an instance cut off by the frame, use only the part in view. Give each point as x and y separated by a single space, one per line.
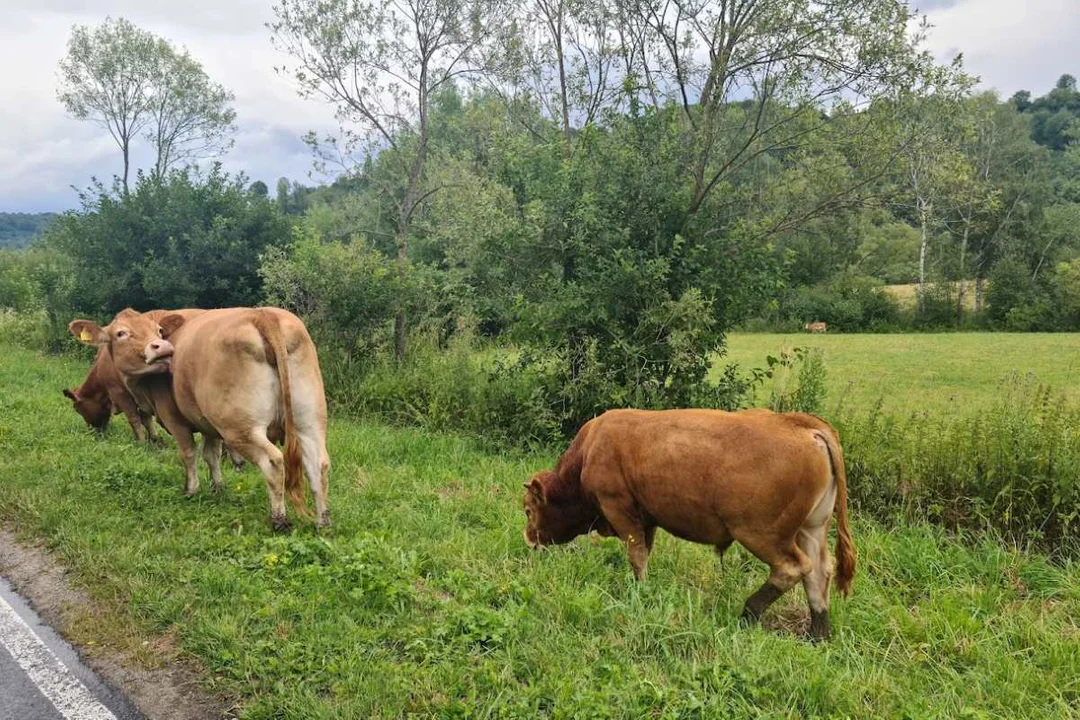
170 324
89 332
537 489
70 395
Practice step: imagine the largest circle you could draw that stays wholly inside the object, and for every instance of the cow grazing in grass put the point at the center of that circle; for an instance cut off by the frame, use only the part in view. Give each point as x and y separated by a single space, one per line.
767 480
104 394
815 327
241 376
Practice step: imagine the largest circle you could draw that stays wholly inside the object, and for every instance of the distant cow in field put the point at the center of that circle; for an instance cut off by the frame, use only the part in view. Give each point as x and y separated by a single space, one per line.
242 376
769 481
104 394
815 327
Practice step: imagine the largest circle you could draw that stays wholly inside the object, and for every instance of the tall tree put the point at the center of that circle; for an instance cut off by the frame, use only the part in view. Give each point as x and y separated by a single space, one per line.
563 57
132 82
380 62
758 78
191 116
107 77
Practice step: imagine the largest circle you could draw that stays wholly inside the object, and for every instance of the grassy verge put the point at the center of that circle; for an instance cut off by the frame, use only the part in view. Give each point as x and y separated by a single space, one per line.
423 599
939 372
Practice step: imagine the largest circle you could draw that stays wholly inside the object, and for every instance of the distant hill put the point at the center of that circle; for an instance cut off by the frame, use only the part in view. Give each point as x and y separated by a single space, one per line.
18 229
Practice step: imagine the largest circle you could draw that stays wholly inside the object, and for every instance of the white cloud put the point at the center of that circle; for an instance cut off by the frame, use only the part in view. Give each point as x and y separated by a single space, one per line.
1010 44
43 151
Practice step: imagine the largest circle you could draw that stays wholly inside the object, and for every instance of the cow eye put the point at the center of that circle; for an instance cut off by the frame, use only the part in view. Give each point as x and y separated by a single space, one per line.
121 334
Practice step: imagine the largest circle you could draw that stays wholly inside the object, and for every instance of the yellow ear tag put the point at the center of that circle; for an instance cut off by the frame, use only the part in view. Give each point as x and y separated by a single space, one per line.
85 336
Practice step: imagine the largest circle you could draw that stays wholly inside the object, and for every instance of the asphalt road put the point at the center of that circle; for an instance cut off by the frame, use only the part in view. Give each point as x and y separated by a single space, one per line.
41 676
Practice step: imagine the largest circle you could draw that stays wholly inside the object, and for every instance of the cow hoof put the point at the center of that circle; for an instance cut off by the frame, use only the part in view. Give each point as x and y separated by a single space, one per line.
190 493
819 626
280 523
324 521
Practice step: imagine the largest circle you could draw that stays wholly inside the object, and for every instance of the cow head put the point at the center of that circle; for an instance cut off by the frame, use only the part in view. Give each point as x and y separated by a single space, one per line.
95 410
135 342
554 516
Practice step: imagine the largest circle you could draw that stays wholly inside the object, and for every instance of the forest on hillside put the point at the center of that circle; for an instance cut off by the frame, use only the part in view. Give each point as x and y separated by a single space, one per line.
18 229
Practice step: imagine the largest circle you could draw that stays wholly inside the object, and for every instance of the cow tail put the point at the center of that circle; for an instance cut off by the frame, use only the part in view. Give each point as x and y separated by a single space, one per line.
845 549
270 328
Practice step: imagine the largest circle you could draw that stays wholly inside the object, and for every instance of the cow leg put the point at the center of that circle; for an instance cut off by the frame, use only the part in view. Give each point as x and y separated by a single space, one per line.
147 420
650 536
814 542
317 468
235 458
268 458
788 566
211 451
136 425
633 533
185 443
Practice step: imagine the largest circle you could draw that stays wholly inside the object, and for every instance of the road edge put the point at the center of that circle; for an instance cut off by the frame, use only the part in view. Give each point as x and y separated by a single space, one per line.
169 692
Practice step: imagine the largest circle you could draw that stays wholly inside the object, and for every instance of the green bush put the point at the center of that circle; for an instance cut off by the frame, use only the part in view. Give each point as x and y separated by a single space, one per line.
847 303
1011 471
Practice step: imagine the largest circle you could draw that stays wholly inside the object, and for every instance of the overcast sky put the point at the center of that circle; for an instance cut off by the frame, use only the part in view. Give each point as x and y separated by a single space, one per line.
1010 44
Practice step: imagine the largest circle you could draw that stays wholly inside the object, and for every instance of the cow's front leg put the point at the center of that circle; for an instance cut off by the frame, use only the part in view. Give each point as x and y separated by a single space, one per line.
635 535
211 449
147 420
185 443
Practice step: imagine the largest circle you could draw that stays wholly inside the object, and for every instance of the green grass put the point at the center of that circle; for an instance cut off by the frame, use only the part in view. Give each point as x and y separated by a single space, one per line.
424 600
942 372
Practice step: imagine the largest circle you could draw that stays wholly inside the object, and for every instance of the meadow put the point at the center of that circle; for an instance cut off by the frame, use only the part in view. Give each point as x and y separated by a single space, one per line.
936 372
422 600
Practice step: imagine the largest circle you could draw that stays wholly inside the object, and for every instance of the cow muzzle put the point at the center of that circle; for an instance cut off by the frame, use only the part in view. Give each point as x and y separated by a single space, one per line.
158 355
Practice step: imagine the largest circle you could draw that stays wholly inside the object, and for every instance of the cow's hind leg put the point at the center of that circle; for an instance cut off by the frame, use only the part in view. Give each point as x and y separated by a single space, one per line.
317 468
813 542
211 451
788 565
268 458
185 443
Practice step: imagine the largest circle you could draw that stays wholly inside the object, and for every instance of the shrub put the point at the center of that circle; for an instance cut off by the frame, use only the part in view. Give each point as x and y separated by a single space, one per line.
1011 471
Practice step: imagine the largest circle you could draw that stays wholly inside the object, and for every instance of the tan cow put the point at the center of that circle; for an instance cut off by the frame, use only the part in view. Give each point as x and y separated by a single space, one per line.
815 327
769 481
104 394
240 375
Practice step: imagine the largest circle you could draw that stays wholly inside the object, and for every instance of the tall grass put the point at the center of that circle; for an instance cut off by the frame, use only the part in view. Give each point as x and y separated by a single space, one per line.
1012 470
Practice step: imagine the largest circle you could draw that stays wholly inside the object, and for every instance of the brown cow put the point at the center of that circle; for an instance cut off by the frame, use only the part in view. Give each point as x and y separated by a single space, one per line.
815 327
104 394
770 481
242 376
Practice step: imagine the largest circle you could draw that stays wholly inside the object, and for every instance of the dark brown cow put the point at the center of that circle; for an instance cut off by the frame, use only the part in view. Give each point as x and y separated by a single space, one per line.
769 481
103 394
241 376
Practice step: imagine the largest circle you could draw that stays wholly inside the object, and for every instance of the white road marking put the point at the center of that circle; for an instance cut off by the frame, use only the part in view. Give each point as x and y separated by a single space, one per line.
53 679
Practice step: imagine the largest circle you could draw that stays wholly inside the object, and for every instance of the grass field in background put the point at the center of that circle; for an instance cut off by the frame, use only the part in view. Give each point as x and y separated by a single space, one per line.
423 599
937 372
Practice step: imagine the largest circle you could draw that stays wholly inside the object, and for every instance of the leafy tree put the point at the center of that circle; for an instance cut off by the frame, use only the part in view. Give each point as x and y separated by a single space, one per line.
107 77
132 82
380 62
191 116
188 240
